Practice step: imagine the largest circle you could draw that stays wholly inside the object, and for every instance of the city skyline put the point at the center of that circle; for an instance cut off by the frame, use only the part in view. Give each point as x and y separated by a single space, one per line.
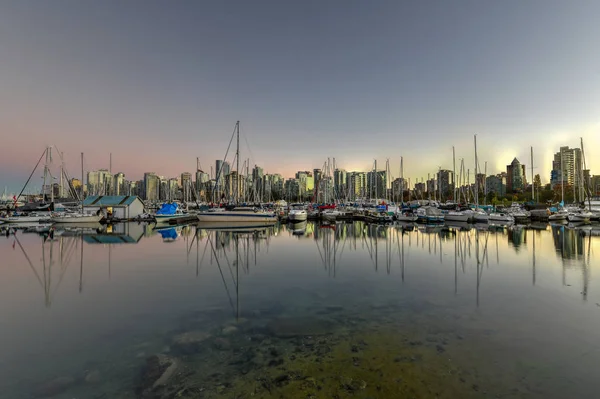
160 85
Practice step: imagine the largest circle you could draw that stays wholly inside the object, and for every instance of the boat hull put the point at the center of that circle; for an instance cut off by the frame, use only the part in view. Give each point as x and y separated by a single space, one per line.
22 219
578 218
457 217
77 219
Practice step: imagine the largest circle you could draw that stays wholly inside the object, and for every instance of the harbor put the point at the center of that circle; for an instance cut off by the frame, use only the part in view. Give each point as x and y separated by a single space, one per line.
299 200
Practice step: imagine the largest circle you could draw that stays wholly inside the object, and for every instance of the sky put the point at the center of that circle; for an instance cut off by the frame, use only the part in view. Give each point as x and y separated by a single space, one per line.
160 83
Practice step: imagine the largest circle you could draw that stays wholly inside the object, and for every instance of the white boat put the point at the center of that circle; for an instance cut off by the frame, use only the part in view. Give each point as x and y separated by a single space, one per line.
77 218
480 217
297 214
429 214
32 217
577 215
559 216
518 213
406 216
500 217
167 212
238 214
457 216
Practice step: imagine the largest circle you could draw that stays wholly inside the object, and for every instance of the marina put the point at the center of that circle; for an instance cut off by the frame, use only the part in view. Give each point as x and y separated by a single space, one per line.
299 200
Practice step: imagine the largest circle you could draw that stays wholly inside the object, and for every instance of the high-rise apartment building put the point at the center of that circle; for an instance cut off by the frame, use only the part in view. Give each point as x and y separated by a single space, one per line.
151 186
567 165
186 186
516 180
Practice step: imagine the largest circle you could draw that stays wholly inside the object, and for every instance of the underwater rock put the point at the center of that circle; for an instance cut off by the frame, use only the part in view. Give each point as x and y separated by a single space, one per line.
222 343
54 387
229 330
156 373
92 377
301 326
352 385
189 342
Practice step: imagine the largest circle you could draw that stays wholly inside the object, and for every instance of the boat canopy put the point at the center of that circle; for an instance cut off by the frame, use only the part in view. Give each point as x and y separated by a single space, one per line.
167 209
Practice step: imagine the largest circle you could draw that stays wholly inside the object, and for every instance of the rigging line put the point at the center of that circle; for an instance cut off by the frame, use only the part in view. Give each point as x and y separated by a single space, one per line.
224 159
222 277
32 172
29 261
191 244
203 253
248 146
229 267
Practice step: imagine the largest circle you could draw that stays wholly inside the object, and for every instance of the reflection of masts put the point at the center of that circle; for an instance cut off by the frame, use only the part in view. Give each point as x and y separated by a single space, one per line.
533 240
220 271
80 266
455 260
65 254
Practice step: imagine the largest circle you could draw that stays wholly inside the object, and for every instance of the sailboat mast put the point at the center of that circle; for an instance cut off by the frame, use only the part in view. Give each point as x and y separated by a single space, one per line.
453 175
51 183
237 157
82 182
376 182
562 178
587 192
476 177
402 178
485 185
532 178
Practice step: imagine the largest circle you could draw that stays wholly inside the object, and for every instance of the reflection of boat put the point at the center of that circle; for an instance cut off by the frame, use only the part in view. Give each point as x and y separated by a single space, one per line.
464 226
169 234
298 229
238 214
234 226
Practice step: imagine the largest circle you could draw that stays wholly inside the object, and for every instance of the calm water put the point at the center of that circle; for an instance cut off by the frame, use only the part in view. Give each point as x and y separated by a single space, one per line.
301 311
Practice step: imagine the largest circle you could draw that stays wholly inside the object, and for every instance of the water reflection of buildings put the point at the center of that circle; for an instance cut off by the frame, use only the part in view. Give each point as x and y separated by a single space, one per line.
574 246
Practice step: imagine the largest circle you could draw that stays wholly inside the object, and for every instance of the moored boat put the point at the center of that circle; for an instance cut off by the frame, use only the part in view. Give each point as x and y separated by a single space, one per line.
238 214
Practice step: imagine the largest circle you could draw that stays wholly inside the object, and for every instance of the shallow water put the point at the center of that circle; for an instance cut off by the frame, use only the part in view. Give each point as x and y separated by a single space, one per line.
350 310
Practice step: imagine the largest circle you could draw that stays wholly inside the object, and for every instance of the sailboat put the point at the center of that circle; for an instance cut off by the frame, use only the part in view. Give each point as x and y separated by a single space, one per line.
239 214
78 217
41 213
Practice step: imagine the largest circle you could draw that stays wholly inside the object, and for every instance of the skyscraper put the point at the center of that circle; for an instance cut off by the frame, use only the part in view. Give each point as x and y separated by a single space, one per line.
151 186
515 177
568 162
118 183
445 180
376 184
186 186
340 182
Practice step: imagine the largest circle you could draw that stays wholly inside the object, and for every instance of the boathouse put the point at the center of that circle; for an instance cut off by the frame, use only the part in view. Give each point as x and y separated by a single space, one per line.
117 206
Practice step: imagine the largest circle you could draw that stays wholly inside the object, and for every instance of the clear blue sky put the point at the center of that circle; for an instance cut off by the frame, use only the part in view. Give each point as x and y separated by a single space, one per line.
159 83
